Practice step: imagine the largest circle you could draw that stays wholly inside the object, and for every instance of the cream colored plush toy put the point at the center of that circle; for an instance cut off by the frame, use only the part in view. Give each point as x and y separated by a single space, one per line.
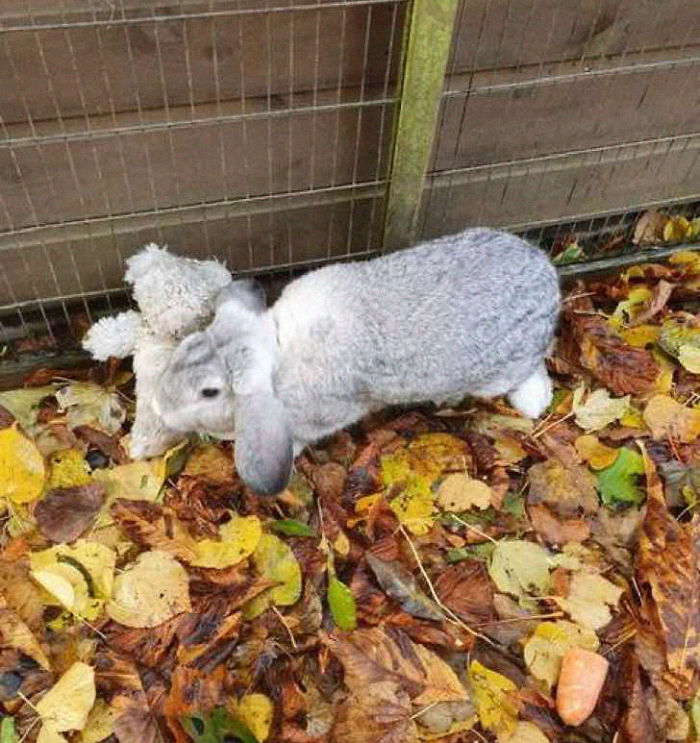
176 296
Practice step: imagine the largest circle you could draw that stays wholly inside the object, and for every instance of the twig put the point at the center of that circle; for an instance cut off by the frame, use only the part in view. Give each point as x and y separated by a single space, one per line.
551 615
450 614
285 625
473 528
536 433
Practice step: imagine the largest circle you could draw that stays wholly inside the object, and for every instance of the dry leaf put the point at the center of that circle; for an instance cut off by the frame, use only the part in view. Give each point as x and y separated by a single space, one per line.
465 588
649 229
67 469
100 723
63 515
458 492
668 418
589 600
596 454
275 561
520 568
238 539
67 704
211 465
599 410
256 712
491 694
689 356
557 531
567 490
150 591
14 633
91 405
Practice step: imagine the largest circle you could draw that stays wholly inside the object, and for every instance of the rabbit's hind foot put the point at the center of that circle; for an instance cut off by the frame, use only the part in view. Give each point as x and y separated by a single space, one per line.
532 397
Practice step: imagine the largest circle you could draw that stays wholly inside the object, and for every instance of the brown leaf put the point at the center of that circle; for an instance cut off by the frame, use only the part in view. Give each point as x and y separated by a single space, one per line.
649 228
667 560
567 490
375 655
108 445
662 293
191 691
620 367
466 589
137 723
403 587
363 476
212 465
637 725
382 714
66 513
557 531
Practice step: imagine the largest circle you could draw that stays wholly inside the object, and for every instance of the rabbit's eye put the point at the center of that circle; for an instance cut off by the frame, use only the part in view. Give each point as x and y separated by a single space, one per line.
210 392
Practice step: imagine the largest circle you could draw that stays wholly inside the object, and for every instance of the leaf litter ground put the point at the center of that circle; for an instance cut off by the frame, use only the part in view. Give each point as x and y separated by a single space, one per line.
454 575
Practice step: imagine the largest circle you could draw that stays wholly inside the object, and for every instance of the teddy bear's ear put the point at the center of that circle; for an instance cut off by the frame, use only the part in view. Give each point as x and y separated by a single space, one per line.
113 336
247 293
142 262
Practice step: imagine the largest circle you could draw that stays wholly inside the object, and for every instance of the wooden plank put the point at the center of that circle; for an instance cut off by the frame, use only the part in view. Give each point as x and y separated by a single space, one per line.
496 34
119 172
429 32
574 114
176 61
89 260
563 189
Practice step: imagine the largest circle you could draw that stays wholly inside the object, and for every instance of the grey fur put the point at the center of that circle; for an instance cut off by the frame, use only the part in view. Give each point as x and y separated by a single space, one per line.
472 313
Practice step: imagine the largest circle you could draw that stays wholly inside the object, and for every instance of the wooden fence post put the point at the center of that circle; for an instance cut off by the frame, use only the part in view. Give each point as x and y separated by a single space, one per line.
426 47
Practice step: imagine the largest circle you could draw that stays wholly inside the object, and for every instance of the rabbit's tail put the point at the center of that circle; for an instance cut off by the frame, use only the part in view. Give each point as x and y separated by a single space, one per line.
113 336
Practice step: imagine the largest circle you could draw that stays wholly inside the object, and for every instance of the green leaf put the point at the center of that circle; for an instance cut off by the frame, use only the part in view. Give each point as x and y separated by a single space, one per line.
8 732
619 482
291 528
219 727
342 604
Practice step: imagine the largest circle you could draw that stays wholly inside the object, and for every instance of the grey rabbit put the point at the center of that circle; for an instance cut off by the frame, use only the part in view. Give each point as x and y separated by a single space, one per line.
469 314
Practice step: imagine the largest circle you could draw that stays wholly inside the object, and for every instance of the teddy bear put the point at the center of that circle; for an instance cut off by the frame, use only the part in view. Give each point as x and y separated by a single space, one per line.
175 296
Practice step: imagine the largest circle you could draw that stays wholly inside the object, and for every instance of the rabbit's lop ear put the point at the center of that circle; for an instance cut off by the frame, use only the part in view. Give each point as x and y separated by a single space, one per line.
263 446
246 293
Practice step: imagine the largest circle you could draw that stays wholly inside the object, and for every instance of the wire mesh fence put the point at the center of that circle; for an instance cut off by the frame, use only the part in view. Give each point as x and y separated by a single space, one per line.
260 131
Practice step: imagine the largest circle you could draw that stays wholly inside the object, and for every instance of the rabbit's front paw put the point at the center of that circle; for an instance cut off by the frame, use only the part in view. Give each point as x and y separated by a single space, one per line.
532 397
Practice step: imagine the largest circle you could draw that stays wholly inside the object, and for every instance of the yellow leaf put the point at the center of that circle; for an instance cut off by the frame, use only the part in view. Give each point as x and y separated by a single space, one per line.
490 693
22 471
641 336
590 596
100 723
596 454
520 568
79 576
664 382
341 546
676 229
459 492
275 561
239 538
68 469
210 464
689 356
690 258
547 646
66 705
150 591
666 417
47 735
628 308
509 448
24 403
599 410
255 711
633 418
15 634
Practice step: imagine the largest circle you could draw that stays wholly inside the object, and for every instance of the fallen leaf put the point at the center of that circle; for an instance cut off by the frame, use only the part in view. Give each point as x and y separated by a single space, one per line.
689 356
150 591
22 470
378 655
275 561
382 714
589 600
557 531
466 589
67 704
676 229
528 732
135 481
342 605
649 228
599 410
668 418
91 405
549 643
458 492
64 515
24 403
677 332
255 711
402 586
212 465
219 727
48 735
596 454
640 336
491 694
520 568
14 633
567 490
239 538
619 482
667 561
100 723
67 469
290 528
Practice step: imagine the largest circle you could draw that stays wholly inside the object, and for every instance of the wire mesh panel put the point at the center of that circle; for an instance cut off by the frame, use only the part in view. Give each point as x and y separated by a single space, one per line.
254 130
558 112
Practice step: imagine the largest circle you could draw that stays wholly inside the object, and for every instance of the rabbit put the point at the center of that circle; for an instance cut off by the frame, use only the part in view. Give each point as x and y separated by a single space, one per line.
469 314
